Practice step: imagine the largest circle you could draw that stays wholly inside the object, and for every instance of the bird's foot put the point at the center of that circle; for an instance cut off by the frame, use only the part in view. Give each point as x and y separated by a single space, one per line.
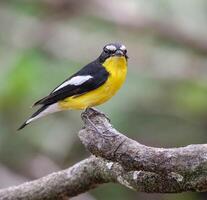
84 115
106 133
96 111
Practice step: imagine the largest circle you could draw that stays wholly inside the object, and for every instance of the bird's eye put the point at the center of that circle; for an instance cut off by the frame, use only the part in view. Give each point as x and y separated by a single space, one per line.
123 48
106 50
110 49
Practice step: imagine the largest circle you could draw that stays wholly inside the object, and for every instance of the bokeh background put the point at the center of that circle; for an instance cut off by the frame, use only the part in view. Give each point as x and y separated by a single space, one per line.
163 102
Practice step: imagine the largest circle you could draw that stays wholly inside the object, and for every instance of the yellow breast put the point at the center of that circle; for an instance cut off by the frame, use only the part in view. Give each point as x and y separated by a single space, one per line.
117 68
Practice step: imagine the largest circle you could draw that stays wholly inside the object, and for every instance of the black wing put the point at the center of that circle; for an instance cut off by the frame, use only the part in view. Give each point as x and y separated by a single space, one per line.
98 77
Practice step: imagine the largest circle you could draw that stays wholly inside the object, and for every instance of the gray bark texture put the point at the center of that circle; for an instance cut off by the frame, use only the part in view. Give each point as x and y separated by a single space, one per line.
119 159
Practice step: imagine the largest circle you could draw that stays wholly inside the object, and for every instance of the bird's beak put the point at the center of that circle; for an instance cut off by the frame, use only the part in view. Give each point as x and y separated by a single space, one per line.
119 53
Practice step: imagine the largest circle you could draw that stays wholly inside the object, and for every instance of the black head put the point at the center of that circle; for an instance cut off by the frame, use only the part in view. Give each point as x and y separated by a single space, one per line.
113 49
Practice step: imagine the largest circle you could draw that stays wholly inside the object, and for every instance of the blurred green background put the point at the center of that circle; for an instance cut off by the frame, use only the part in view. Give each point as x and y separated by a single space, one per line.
163 102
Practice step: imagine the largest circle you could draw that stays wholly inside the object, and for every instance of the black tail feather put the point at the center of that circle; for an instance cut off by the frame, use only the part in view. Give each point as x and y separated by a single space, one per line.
22 126
40 102
34 115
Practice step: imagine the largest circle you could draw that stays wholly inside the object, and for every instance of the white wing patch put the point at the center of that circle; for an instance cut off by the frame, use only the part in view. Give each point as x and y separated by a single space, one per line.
77 80
111 47
123 48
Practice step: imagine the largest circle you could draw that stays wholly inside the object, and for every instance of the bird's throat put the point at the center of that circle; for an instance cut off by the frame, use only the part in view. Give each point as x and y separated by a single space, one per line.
116 64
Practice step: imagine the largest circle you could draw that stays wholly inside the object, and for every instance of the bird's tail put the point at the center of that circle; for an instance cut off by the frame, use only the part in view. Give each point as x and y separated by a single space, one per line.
41 112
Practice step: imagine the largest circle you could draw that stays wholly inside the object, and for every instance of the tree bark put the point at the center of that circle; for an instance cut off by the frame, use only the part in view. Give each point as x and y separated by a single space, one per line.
67 183
107 142
119 160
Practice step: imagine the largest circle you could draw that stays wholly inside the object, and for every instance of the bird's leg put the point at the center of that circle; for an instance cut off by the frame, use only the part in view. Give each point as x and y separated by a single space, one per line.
99 112
90 122
104 133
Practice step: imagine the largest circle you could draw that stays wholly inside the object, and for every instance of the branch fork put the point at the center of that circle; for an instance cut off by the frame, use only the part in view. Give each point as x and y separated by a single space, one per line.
119 159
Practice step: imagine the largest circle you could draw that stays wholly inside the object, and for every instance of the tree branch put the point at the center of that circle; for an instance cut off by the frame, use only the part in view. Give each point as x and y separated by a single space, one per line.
123 161
189 162
67 183
87 174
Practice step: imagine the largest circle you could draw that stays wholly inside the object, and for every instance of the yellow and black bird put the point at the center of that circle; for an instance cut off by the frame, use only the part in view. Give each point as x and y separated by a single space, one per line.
93 85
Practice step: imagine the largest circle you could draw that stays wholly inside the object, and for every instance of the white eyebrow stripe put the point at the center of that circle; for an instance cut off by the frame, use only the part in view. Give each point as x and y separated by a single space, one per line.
123 47
77 80
111 47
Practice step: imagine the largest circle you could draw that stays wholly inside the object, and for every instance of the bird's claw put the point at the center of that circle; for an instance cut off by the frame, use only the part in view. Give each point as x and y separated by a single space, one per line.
96 111
87 117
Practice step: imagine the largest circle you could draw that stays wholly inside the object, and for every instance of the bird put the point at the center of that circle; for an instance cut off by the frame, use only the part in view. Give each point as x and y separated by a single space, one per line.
92 85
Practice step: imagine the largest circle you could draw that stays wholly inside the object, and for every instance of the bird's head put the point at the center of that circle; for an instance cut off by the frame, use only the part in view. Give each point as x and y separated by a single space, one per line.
111 50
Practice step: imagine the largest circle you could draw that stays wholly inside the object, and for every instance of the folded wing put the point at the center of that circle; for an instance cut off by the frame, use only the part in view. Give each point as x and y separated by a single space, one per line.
89 78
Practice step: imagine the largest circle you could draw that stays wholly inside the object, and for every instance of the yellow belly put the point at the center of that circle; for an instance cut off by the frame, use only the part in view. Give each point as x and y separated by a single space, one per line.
117 67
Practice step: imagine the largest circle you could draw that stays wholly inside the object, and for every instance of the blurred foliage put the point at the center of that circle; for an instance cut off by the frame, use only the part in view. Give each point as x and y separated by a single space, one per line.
163 102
